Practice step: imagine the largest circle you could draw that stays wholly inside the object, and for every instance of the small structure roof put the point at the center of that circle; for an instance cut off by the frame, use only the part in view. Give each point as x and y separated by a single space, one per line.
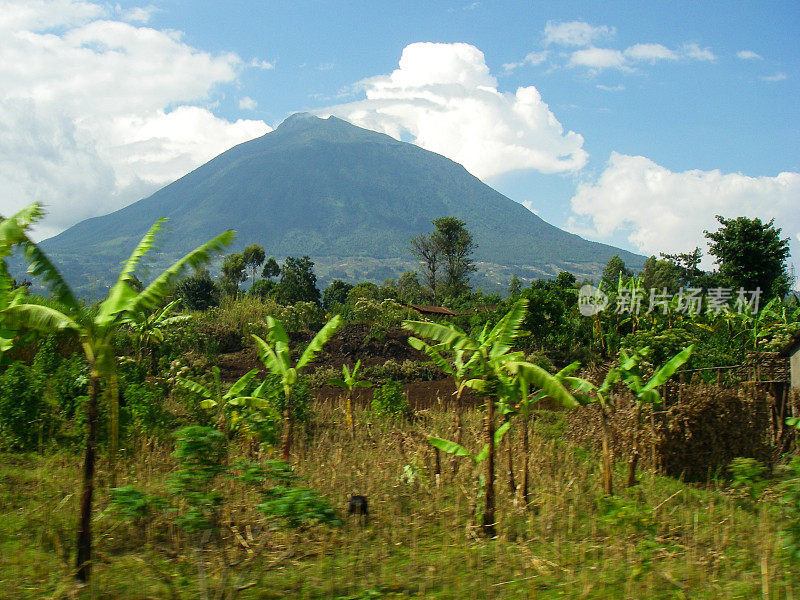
432 310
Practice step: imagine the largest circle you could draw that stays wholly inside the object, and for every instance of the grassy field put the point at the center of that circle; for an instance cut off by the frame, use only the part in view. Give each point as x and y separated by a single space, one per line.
661 539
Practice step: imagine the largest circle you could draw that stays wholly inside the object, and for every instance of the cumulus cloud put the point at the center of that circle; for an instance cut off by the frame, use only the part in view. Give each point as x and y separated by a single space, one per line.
650 52
444 97
96 113
695 52
532 58
775 77
247 103
598 58
262 64
748 55
575 33
665 211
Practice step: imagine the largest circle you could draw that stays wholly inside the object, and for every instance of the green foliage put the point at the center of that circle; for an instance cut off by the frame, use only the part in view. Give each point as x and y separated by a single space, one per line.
201 453
614 270
23 411
298 281
389 401
198 291
790 501
253 256
335 294
620 514
751 254
233 272
747 474
144 409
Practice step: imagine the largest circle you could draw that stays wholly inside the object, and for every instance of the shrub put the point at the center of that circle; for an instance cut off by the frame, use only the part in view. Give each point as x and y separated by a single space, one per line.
389 401
23 410
198 292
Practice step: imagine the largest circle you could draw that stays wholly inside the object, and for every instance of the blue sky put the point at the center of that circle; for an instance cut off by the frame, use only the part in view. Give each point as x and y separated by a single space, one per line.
631 123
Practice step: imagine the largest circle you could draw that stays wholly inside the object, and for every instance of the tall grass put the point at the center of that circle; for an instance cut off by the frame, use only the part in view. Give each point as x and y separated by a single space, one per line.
662 539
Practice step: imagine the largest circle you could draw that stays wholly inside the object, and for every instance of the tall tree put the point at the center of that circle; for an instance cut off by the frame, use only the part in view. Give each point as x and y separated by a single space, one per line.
660 274
95 328
687 265
298 281
615 267
253 257
233 272
425 247
456 246
751 254
271 268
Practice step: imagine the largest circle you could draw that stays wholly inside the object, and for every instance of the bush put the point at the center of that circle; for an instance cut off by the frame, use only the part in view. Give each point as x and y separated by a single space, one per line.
198 292
23 411
389 401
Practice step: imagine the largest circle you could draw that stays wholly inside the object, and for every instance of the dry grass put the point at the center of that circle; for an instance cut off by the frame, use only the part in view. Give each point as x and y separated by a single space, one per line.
663 539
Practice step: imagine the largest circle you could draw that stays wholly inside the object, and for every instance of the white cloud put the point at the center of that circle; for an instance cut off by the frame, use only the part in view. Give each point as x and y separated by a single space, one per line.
776 77
650 52
695 52
95 114
748 55
529 205
139 14
575 33
247 103
610 88
598 58
532 58
262 64
665 211
444 98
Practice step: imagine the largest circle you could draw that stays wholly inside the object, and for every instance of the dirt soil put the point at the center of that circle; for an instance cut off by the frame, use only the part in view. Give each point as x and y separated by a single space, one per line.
352 343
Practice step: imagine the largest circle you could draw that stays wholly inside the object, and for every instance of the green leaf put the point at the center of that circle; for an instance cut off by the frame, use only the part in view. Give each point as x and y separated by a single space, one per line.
543 380
122 293
315 345
337 382
39 318
449 447
448 336
195 387
153 293
498 436
241 384
275 364
672 365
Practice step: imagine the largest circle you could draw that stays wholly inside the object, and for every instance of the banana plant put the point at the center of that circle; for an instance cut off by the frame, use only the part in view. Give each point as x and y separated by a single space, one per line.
231 400
586 392
646 393
95 329
275 354
491 359
13 231
148 325
459 370
350 380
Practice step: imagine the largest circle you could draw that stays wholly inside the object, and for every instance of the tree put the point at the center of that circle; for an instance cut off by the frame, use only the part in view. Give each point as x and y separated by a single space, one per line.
426 249
95 328
253 257
456 246
275 355
496 372
233 272
687 266
615 267
659 274
198 292
751 255
409 289
298 281
335 294
565 280
514 286
271 268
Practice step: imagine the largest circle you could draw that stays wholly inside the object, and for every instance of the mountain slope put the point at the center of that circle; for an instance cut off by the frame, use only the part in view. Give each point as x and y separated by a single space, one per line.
343 195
